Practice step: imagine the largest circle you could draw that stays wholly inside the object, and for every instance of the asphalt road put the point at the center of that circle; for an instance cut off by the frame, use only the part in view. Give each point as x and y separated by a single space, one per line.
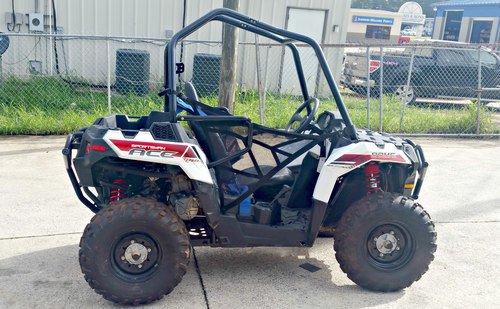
42 221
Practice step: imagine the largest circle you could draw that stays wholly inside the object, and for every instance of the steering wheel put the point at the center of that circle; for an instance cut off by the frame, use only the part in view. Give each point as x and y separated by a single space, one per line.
306 120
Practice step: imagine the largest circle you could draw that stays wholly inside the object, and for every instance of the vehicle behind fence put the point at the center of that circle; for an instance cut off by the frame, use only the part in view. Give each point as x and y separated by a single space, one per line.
58 83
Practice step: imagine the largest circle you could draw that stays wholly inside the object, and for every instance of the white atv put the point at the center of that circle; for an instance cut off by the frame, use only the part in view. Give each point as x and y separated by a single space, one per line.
157 188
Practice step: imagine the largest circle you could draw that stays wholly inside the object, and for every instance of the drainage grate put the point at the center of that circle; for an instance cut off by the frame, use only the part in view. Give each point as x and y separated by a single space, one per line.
310 267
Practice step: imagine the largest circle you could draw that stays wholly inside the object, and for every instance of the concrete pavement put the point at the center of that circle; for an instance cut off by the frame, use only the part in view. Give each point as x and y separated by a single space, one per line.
42 221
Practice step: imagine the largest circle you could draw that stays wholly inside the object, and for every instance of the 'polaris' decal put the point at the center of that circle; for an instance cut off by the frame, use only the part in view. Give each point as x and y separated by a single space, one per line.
162 150
358 159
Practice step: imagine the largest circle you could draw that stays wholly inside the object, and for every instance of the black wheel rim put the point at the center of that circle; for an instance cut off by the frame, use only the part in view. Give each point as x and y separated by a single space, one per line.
132 269
389 246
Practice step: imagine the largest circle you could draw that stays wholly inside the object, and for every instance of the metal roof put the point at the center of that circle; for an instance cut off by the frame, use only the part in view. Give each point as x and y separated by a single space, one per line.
466 3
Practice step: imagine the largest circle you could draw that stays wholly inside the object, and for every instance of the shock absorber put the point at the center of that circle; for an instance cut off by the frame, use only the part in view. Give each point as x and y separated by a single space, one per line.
372 173
118 190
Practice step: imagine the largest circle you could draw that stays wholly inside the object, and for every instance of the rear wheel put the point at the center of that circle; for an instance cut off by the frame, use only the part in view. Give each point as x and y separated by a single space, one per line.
134 251
384 242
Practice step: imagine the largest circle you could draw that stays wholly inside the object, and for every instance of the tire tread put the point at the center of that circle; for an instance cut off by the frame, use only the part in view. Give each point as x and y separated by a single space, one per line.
132 207
344 232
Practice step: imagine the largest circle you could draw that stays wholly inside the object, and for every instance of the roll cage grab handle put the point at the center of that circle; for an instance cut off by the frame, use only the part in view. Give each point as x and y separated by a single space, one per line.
249 24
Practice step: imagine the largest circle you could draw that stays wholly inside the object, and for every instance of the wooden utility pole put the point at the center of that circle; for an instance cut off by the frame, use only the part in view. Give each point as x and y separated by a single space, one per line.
227 84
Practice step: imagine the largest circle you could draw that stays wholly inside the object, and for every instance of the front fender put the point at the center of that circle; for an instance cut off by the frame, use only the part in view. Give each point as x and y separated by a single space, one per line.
345 159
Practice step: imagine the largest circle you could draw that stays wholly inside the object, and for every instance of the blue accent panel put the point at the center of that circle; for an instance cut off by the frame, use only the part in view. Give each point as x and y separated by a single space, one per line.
485 11
466 3
183 106
477 10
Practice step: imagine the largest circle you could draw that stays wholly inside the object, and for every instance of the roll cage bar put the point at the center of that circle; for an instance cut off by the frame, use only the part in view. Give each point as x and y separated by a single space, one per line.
249 24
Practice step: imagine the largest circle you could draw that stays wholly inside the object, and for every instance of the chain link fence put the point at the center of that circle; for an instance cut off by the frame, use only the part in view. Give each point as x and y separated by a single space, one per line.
429 88
58 83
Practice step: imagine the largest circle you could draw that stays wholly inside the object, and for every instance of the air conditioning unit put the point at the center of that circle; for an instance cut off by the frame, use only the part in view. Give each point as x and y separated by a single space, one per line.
35 22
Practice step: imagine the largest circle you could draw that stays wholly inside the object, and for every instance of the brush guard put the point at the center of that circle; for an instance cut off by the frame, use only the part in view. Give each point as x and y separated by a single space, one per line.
93 205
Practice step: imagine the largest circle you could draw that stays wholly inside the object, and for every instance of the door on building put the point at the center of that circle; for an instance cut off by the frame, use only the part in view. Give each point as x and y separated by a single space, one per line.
481 31
309 22
452 25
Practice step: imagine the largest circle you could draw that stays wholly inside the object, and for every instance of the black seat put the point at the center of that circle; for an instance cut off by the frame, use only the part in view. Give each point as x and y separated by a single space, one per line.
216 148
272 187
303 187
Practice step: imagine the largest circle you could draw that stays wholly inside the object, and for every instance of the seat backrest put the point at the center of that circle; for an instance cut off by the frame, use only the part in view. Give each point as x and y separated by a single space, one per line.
303 187
210 142
214 148
191 92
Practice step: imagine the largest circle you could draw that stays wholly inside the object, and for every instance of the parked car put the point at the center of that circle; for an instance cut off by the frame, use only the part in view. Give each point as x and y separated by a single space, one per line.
408 31
404 39
438 71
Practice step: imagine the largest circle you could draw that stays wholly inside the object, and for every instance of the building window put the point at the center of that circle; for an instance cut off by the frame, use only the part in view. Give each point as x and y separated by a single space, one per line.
481 31
378 32
452 25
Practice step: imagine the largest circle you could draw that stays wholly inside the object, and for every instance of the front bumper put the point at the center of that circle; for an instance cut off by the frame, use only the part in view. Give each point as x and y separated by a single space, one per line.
421 169
67 156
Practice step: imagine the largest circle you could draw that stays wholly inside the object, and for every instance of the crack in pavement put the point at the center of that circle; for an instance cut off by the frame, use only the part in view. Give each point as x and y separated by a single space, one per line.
16 152
198 271
37 236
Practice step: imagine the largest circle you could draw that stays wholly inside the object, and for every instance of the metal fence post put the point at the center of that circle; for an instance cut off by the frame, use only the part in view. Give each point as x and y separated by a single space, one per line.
407 88
259 80
51 37
381 86
479 90
266 78
109 76
368 87
1 71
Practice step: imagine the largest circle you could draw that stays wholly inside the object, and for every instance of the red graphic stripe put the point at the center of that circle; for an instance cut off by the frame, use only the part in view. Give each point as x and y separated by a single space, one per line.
358 159
176 149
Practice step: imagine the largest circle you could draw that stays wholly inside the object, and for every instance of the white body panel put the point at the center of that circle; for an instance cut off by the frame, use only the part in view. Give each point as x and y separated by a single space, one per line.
345 159
143 147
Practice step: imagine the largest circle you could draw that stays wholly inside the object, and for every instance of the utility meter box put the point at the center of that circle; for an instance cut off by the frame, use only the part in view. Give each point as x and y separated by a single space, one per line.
35 22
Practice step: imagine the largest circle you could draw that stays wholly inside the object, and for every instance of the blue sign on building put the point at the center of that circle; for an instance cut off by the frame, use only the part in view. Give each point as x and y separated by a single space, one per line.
372 20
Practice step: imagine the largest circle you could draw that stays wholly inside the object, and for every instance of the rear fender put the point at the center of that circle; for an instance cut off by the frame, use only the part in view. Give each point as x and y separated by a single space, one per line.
143 147
345 159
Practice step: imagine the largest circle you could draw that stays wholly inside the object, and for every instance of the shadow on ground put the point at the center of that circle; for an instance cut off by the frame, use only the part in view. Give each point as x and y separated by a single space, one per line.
52 278
272 277
234 278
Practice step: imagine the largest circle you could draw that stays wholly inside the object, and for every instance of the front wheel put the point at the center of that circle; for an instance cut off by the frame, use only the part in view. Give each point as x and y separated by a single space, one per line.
385 242
134 251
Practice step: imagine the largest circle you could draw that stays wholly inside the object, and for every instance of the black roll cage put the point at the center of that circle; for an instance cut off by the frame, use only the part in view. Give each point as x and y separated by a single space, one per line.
249 24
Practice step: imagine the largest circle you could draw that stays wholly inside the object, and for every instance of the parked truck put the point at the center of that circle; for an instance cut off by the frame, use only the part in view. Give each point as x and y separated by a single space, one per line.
437 71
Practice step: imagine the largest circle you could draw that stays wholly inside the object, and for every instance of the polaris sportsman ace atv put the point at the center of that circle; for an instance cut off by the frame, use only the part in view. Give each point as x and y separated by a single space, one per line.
157 188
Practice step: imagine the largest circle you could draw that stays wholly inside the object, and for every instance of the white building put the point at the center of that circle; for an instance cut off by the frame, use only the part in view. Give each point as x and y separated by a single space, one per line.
373 26
324 20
